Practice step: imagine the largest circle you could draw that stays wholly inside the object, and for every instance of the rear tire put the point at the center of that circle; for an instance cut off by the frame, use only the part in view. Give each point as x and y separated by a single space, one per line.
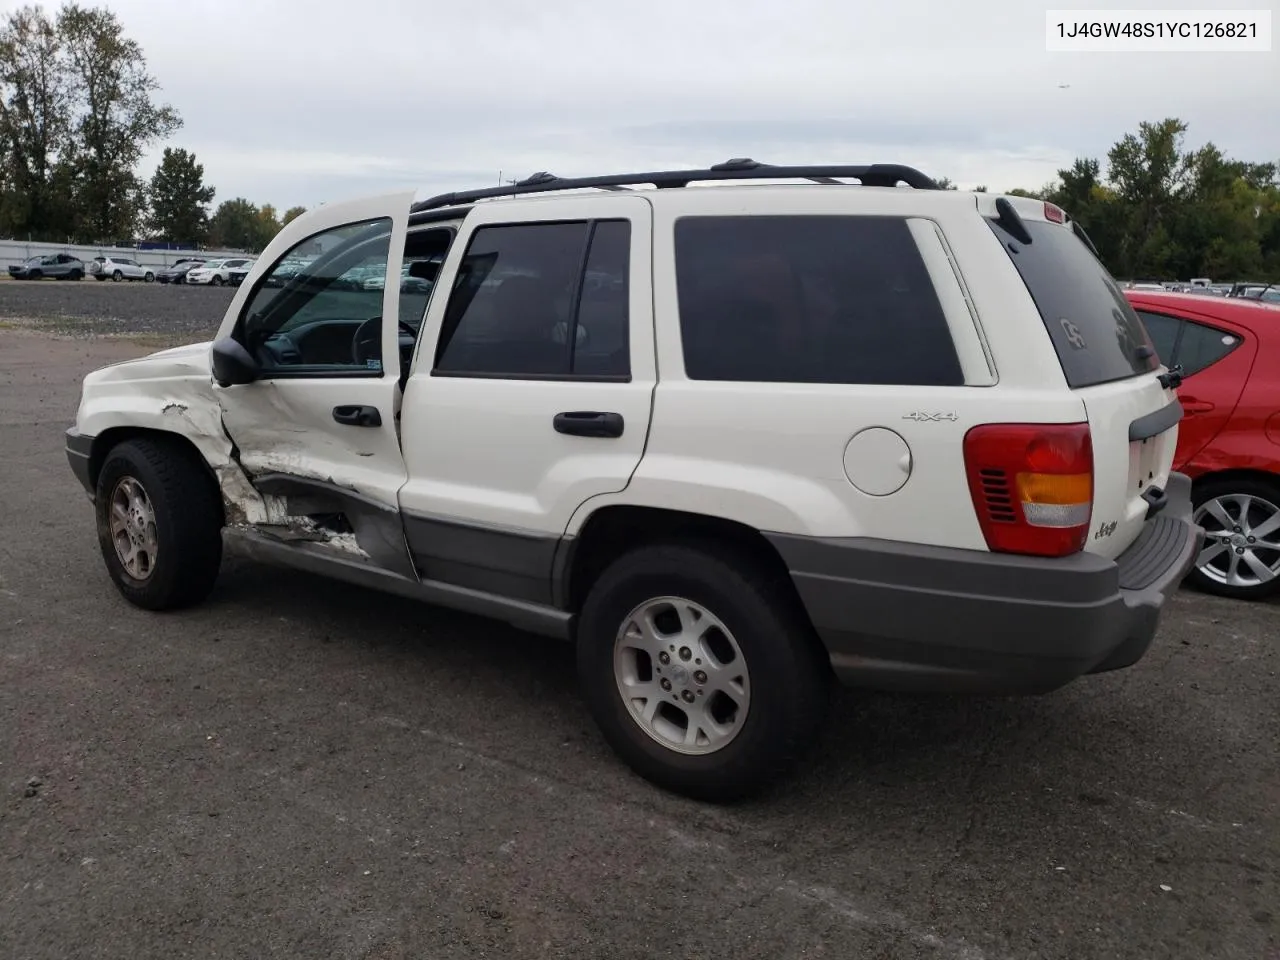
149 277
216 281
76 275
1230 563
35 275
117 276
777 677
159 519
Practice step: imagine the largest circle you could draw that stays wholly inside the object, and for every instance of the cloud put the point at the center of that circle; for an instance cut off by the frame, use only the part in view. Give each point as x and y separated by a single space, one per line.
300 103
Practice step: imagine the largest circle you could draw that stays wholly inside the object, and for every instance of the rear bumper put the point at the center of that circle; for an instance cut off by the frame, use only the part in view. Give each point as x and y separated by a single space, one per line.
79 454
935 619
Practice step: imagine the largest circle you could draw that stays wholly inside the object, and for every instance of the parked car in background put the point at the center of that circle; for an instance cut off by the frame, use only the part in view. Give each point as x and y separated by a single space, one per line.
120 268
1229 437
236 275
60 266
1268 294
215 273
178 272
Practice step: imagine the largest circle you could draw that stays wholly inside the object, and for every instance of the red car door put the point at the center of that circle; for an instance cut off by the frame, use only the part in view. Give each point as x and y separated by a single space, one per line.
1215 356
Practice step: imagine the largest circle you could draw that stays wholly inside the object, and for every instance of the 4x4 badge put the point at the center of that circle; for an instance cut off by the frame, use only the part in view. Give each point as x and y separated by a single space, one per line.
921 416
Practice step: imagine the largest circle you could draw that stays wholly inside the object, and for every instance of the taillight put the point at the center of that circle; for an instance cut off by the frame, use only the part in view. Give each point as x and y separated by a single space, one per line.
1054 213
1032 486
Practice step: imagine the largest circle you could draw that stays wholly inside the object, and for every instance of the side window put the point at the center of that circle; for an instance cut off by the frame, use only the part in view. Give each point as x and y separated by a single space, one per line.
316 311
1203 346
1193 345
539 300
1163 331
809 299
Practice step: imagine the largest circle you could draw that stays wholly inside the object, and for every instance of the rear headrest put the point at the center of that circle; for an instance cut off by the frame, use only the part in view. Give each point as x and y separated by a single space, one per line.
425 270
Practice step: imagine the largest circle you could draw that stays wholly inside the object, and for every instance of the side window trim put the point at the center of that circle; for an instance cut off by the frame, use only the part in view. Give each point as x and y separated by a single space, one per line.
579 281
957 305
449 329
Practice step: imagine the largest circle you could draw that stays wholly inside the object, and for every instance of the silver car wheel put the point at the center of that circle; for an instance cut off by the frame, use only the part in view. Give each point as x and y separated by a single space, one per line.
1242 540
133 528
682 675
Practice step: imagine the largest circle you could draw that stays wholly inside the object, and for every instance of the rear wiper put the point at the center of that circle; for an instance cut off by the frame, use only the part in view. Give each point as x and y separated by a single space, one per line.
1173 379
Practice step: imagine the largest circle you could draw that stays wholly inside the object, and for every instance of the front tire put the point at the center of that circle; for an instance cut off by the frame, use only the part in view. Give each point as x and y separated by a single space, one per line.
159 519
35 275
701 670
215 281
1241 555
76 275
117 276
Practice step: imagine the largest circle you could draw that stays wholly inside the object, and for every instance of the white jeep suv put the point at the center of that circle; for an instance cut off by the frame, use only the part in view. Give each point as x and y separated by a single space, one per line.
733 441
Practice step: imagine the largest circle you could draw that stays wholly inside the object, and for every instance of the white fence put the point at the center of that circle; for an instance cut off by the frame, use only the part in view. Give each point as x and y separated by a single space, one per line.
17 251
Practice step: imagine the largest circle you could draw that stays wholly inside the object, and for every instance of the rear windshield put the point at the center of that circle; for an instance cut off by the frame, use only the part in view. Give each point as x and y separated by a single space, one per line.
1097 335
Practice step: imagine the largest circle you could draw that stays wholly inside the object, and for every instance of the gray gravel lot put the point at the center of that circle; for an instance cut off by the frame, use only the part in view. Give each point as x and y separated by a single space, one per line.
303 770
90 306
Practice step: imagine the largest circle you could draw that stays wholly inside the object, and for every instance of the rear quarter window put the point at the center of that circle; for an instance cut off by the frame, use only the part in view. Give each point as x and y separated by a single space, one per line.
1095 332
809 299
1193 346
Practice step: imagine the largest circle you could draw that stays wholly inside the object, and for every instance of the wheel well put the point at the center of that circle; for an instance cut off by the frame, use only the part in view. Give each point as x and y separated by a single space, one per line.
108 439
612 531
1219 476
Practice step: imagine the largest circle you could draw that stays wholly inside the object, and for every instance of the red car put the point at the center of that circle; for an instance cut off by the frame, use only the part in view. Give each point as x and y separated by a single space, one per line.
1229 438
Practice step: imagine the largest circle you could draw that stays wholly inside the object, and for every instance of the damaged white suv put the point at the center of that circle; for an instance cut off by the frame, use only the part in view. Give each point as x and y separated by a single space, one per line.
733 441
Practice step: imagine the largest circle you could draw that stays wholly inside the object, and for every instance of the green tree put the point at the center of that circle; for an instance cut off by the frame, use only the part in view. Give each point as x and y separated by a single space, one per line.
120 118
178 198
235 225
268 224
35 130
1161 211
243 225
293 213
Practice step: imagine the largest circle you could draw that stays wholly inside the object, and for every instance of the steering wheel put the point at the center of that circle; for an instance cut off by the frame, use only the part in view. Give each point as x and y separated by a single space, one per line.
362 342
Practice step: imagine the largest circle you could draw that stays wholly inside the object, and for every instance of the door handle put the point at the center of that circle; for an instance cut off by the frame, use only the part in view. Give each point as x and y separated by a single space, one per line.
358 415
1192 405
588 423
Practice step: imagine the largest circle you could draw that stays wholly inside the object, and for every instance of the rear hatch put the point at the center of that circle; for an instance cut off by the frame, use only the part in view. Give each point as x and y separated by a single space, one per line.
1108 360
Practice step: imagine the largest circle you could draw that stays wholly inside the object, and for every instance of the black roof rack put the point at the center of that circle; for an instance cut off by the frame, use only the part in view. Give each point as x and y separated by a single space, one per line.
742 168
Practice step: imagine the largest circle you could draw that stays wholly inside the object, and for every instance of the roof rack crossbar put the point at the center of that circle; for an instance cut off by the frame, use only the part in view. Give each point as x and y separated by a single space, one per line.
870 175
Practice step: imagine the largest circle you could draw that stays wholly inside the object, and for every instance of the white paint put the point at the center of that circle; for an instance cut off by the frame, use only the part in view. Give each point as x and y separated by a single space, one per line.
877 461
774 457
484 450
287 425
170 391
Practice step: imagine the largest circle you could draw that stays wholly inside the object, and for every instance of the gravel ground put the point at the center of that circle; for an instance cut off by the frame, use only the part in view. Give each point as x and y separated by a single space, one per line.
149 310
301 769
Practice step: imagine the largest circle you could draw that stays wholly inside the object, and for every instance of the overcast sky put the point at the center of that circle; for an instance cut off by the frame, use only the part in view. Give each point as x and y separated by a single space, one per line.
302 101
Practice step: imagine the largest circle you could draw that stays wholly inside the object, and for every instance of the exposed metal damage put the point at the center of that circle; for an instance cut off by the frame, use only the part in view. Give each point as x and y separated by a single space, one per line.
172 391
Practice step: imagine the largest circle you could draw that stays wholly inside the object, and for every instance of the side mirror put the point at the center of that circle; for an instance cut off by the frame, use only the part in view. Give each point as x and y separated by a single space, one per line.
233 364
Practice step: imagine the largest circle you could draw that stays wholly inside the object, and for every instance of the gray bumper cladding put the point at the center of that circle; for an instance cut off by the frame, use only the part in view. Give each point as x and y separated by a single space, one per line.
934 619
